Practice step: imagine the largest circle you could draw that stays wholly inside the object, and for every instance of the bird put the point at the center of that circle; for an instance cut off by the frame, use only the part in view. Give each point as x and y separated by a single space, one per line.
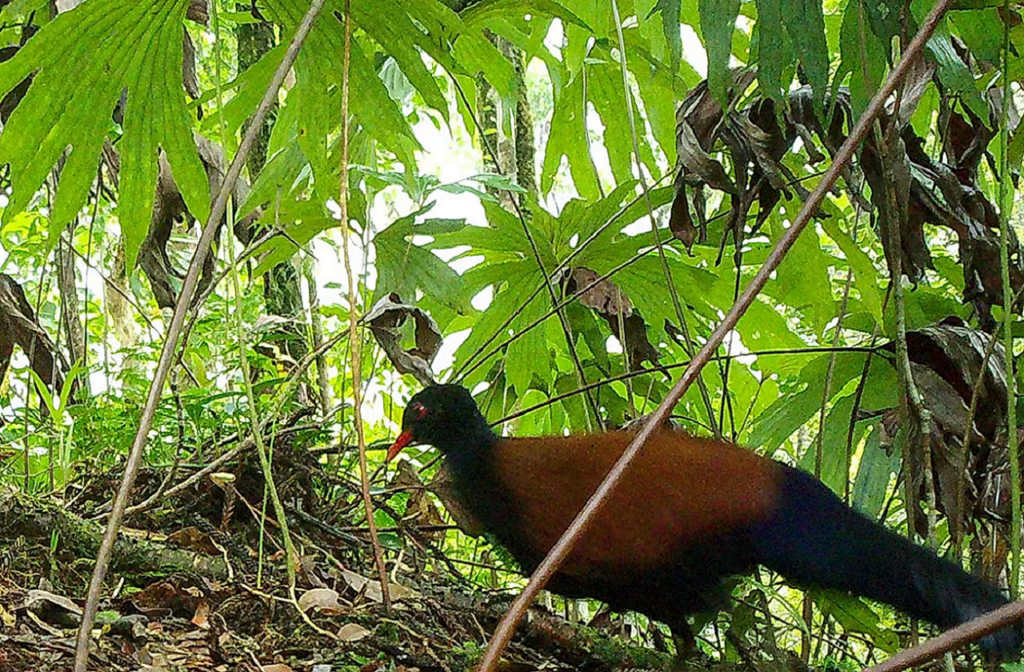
689 513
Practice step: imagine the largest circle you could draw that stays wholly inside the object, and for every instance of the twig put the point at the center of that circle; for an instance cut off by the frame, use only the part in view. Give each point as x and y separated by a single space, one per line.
819 444
953 638
355 351
1005 204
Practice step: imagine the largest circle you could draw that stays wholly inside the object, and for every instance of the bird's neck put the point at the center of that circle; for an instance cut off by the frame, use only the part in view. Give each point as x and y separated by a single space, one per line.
471 453
468 447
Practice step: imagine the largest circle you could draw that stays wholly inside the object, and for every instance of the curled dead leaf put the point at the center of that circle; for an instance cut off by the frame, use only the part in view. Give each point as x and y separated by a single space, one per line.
169 208
946 361
36 598
603 295
385 320
194 539
201 618
613 305
19 326
420 509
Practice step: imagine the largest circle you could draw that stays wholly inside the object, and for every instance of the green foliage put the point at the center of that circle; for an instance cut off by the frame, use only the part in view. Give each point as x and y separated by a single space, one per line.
420 69
718 22
406 268
82 61
863 54
855 616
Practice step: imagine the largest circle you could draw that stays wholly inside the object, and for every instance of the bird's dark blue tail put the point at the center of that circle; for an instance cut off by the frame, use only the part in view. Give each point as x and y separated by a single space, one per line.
813 539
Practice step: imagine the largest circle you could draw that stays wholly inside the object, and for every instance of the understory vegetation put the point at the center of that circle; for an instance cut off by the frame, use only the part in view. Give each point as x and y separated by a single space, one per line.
550 202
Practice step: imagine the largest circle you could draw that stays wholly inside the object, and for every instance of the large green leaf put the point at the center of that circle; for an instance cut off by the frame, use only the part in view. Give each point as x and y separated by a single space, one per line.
834 472
503 238
405 30
372 108
242 94
796 407
856 616
528 356
952 71
513 281
391 24
805 24
874 472
490 10
604 82
606 94
668 11
866 275
661 89
567 139
803 280
582 219
774 51
405 268
82 62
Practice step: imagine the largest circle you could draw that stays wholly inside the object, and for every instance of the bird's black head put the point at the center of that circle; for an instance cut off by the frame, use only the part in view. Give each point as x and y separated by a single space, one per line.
444 416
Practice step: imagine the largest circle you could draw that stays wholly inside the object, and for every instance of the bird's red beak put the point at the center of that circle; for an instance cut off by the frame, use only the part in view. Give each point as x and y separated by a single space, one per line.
403 440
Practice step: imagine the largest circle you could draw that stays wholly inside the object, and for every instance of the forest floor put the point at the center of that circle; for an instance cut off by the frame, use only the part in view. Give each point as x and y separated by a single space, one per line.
185 590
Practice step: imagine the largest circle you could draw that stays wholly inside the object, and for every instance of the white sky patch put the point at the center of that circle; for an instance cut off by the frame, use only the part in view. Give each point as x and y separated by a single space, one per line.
640 226
449 253
445 357
554 38
734 347
693 50
483 298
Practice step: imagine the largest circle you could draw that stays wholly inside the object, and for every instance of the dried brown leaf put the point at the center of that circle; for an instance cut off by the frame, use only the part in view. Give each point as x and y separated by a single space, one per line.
201 618
194 539
169 208
614 307
419 509
371 588
352 632
605 296
19 326
36 598
321 599
385 320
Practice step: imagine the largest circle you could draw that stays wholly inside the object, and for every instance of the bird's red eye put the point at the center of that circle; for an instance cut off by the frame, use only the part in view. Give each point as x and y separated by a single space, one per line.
419 409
